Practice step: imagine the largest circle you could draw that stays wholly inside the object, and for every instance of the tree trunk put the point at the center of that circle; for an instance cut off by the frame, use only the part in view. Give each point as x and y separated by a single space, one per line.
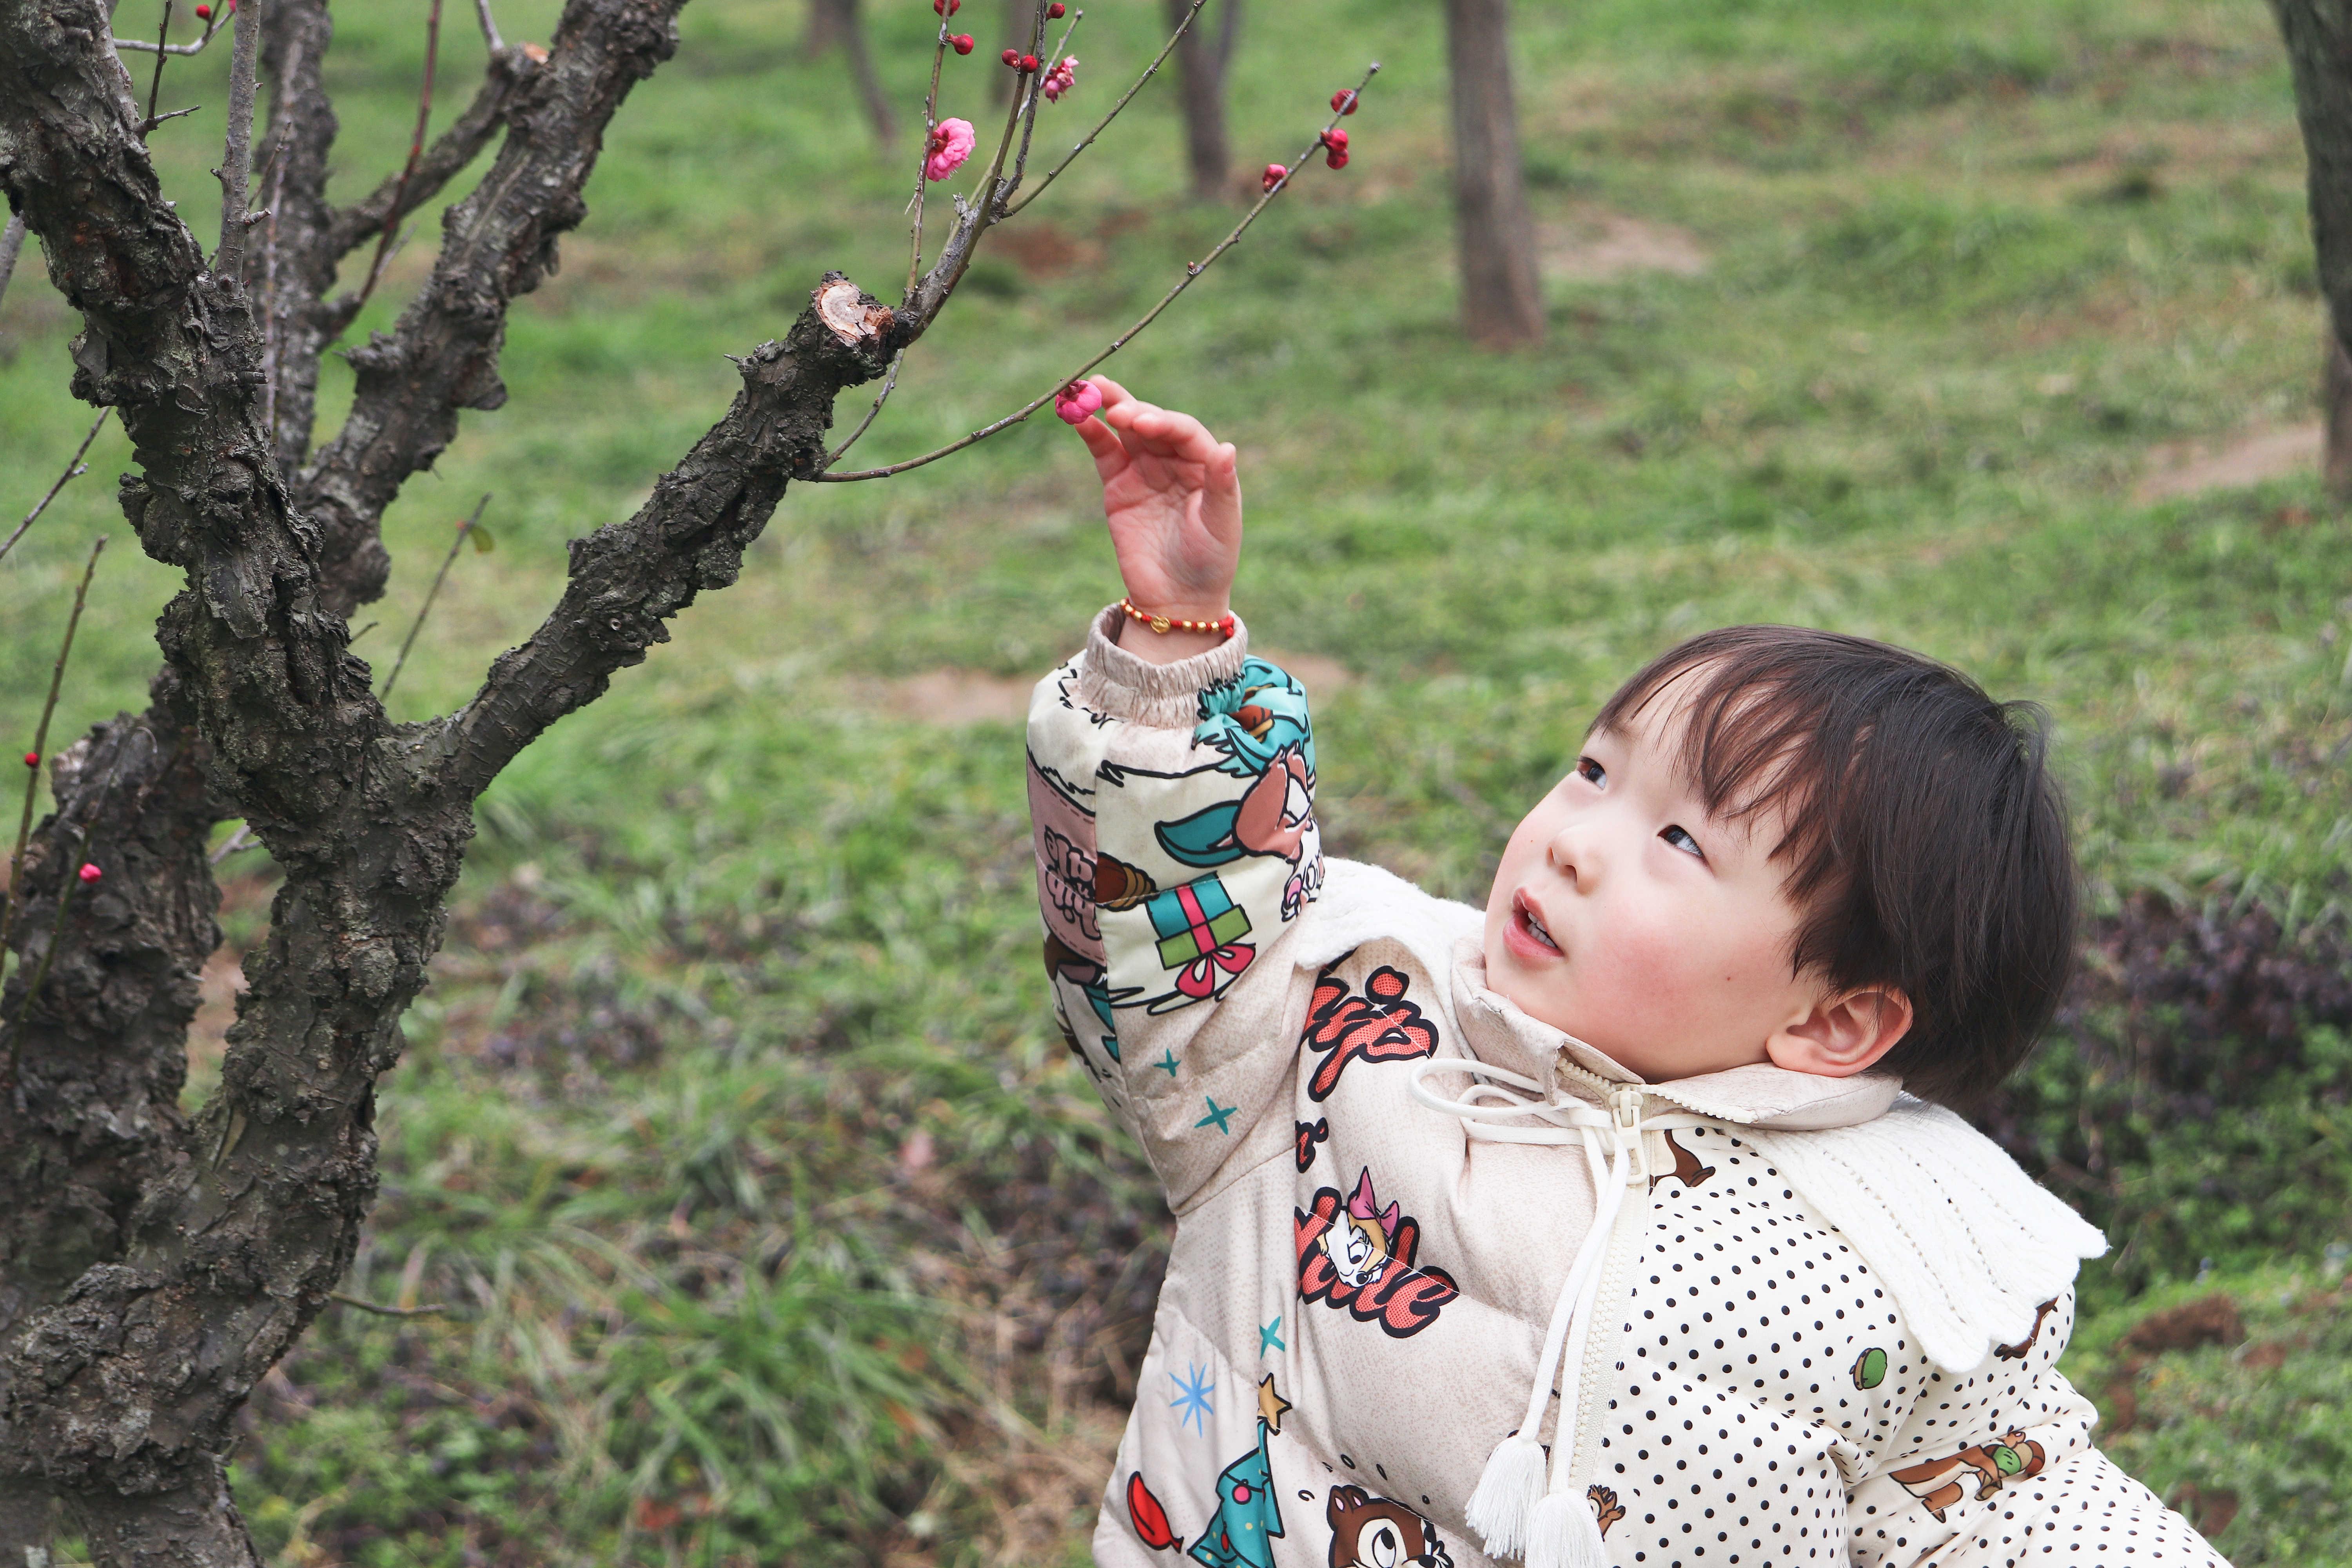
1202 56
1502 299
2318 36
154 1265
834 22
861 65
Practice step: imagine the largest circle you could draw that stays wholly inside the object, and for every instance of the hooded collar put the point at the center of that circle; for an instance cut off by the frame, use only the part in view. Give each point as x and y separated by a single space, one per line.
1759 1094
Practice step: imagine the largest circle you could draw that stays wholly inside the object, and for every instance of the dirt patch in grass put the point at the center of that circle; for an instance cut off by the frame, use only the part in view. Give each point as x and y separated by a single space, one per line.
1595 245
2185 469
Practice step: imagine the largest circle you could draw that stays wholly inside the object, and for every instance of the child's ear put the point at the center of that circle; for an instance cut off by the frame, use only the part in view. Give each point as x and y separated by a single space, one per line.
1841 1035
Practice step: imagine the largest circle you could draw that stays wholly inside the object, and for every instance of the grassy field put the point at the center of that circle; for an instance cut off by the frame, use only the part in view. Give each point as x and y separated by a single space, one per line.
734 1135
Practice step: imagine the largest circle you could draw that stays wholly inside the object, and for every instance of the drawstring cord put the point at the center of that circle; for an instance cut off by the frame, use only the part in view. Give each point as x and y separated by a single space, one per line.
1519 1515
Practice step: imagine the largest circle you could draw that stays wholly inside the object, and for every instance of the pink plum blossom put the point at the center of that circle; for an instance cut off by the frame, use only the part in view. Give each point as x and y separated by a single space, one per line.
1077 401
951 143
1061 79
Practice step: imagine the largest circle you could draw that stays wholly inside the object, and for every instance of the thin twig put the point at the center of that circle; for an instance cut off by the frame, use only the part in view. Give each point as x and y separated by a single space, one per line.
1045 64
41 750
163 52
74 469
975 215
489 27
241 839
425 609
142 46
923 157
430 1309
236 171
889 380
1192 272
1157 60
11 241
415 151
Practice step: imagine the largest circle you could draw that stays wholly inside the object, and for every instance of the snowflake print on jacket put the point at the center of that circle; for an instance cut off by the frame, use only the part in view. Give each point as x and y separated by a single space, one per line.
1379 1026
1355 1255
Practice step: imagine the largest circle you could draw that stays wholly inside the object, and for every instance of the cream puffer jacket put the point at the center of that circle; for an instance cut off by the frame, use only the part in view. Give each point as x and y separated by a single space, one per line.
1450 1287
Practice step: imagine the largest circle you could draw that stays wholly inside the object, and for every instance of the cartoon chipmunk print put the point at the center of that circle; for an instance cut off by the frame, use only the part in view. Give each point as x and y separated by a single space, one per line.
1369 1531
1606 1510
1688 1170
2017 1352
1359 1244
1937 1483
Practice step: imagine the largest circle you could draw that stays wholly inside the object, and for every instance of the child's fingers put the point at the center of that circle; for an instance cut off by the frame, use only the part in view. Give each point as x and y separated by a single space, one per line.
1108 452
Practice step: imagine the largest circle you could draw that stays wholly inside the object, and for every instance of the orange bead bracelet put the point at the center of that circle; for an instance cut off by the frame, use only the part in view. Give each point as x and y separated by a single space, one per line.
1223 626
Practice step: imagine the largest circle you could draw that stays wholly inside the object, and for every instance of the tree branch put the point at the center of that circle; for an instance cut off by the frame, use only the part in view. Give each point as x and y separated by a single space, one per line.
1192 272
444 161
236 171
497 243
627 578
117 1394
399 206
295 266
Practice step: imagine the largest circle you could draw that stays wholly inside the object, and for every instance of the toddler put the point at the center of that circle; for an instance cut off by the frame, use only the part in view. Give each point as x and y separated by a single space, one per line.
1598 1226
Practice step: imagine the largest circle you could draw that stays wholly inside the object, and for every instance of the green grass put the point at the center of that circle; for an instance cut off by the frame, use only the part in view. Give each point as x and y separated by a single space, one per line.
732 1129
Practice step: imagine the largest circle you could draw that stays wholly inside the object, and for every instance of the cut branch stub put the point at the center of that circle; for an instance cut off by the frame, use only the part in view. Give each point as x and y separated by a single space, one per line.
856 318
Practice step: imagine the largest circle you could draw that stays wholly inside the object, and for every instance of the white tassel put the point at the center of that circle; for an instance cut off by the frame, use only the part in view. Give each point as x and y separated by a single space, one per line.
1561 1534
1508 1490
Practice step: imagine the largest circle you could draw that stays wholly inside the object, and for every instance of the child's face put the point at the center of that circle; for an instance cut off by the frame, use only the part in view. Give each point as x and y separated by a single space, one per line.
1628 916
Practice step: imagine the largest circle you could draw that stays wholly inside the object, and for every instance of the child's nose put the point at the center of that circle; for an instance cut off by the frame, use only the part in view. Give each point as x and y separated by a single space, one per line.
1574 854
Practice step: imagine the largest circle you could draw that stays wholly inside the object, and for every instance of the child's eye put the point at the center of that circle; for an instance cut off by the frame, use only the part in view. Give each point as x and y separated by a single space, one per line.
1674 836
1590 771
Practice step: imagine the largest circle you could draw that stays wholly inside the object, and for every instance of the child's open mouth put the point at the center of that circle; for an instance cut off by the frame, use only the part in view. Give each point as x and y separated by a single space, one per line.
1528 930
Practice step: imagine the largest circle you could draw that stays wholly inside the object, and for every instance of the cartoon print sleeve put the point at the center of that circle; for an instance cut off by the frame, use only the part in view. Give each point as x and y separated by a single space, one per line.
1997 1469
1172 811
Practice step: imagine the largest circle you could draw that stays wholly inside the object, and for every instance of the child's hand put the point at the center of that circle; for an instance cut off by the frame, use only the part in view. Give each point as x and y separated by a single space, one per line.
1174 504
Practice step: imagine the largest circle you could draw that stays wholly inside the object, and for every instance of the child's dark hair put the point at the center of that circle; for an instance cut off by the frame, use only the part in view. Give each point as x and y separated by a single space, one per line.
1926 844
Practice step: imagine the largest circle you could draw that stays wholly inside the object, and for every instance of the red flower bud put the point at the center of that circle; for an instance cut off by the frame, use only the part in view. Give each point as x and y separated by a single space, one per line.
1274 175
1335 159
1336 141
204 12
960 43
90 873
1056 10
1011 58
1344 101
947 7
1028 64
32 759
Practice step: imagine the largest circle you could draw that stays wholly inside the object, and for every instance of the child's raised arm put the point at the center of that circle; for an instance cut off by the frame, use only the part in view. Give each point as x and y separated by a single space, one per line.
1171 796
1174 500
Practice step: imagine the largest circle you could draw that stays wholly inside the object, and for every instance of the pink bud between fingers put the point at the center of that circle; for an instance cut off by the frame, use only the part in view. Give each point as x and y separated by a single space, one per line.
90 873
951 143
960 43
1275 174
1077 401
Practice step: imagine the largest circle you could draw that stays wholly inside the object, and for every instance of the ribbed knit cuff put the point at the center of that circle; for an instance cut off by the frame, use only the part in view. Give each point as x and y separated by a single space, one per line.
1115 683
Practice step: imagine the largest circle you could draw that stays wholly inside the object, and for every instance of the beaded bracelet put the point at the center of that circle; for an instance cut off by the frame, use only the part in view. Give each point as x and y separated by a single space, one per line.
1223 626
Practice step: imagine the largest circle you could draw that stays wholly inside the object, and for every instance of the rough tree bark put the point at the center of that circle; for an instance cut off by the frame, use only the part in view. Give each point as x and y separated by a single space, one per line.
152 1267
1502 298
2318 36
1202 63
